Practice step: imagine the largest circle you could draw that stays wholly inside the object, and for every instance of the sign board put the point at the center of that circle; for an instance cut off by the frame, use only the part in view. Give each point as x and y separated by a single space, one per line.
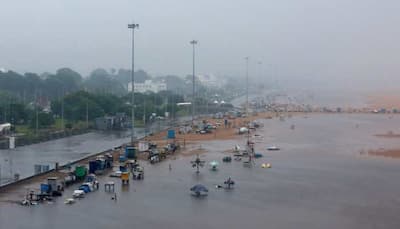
143 146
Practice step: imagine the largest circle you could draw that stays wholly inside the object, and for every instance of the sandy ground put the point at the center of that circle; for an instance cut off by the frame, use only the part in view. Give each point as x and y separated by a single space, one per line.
389 134
221 133
386 100
393 153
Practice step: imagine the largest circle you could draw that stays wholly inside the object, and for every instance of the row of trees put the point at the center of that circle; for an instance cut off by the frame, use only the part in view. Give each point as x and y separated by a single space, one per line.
80 105
14 111
29 86
51 86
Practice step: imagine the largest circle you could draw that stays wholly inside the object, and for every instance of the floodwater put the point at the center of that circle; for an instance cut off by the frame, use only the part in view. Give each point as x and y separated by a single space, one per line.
318 180
21 160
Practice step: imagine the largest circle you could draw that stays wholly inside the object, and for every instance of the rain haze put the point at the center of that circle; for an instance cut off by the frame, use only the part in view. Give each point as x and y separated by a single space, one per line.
199 114
303 43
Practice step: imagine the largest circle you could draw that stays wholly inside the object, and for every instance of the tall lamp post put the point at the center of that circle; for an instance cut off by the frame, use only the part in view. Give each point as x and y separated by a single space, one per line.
193 42
133 27
247 86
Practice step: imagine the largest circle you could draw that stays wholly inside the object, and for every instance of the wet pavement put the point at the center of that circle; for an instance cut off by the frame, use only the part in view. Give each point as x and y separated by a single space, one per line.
318 180
21 160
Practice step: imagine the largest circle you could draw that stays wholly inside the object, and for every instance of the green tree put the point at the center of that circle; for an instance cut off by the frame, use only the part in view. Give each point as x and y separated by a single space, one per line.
45 120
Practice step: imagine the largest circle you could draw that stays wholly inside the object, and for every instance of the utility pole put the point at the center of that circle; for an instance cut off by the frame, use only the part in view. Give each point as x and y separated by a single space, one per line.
193 42
133 27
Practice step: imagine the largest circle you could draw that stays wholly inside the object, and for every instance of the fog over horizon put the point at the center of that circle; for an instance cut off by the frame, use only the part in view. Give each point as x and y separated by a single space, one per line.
351 45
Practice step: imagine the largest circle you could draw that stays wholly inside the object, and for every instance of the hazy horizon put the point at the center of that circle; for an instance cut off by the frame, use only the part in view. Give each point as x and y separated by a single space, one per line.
336 42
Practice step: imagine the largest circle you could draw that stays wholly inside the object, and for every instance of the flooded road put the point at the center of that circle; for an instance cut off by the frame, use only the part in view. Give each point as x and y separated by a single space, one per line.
318 180
21 160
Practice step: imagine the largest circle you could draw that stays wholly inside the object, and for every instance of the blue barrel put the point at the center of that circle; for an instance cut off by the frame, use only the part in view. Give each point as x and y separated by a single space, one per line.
130 152
171 134
44 188
123 169
122 158
101 164
93 166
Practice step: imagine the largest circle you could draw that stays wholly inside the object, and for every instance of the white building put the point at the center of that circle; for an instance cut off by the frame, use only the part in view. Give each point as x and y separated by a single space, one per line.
212 80
148 85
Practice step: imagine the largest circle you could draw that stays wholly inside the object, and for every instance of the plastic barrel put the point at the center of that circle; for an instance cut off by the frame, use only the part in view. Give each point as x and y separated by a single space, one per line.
44 188
93 166
101 164
122 158
130 152
80 171
171 134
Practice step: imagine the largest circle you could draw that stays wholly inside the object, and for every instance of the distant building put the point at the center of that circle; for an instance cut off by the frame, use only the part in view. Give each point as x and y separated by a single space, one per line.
148 85
211 80
117 122
104 123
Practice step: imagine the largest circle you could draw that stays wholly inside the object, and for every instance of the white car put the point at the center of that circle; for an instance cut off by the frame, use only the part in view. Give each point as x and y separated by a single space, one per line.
78 194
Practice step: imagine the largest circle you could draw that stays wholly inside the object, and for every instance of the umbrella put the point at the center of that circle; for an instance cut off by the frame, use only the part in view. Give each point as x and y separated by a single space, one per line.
214 163
198 188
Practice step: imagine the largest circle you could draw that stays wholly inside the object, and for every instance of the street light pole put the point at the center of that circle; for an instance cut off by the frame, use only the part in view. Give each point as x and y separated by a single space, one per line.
62 110
193 42
133 27
36 114
247 86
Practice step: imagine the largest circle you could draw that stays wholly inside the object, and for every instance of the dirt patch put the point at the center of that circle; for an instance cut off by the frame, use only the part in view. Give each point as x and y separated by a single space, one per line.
393 153
386 100
389 134
220 133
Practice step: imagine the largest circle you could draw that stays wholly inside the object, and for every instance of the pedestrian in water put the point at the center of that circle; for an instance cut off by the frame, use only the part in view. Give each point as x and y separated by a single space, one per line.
170 167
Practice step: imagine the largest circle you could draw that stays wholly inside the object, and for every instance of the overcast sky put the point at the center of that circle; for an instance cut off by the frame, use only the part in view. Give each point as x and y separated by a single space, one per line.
300 39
